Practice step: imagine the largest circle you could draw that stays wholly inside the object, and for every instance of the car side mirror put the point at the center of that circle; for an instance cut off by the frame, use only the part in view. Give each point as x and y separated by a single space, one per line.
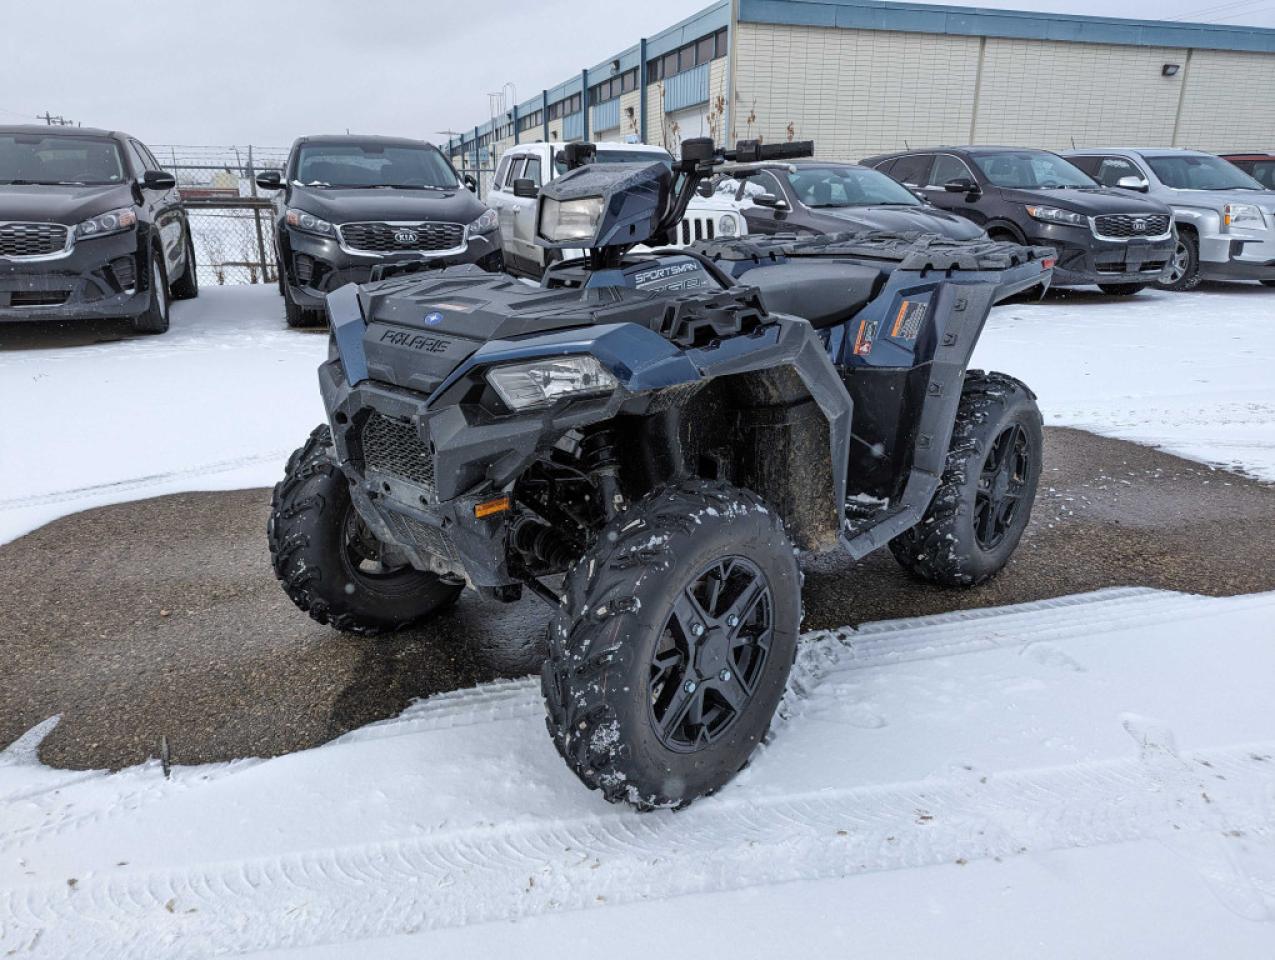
770 200
270 180
526 188
1132 183
470 183
158 180
961 185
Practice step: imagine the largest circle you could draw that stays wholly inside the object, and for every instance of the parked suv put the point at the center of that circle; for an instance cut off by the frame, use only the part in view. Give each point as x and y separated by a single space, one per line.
348 203
815 197
1224 217
1259 165
707 218
90 227
1111 238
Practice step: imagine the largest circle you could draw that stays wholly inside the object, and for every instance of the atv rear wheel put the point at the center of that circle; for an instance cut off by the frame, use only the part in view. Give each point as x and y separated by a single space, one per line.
330 564
989 482
673 645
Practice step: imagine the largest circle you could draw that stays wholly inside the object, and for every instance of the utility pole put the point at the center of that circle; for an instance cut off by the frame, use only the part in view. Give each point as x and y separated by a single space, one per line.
52 121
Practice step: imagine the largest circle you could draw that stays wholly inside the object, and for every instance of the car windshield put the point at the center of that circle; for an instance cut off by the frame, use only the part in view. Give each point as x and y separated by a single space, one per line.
619 156
369 165
1031 170
848 187
1195 172
52 159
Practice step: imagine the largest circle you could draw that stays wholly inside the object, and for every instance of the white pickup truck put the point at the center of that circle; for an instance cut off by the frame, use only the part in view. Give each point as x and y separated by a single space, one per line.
707 218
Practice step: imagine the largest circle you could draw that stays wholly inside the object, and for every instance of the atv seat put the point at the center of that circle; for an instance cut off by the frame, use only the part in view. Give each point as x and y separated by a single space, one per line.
825 294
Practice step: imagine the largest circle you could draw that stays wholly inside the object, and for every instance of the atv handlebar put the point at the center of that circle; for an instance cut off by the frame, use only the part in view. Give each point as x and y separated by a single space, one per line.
700 157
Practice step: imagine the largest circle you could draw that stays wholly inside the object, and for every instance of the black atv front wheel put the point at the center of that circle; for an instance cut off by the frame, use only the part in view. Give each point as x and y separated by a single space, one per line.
985 498
328 561
670 653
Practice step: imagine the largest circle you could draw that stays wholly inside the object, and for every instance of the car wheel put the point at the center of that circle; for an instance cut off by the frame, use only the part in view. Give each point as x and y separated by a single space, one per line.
154 319
1121 289
1184 265
187 285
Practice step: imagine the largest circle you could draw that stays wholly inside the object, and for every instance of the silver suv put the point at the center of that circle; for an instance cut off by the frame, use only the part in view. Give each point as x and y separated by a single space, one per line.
1225 219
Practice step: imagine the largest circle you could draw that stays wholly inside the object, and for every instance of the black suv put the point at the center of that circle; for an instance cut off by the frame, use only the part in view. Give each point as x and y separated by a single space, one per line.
348 204
1106 237
823 197
90 228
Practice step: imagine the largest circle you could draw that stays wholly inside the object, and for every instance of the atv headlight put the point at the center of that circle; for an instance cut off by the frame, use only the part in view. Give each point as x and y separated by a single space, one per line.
1240 214
523 385
488 222
1057 215
570 219
307 222
116 221
727 227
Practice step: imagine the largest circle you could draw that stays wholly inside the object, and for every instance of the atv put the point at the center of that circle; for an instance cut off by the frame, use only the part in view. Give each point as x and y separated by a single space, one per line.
647 442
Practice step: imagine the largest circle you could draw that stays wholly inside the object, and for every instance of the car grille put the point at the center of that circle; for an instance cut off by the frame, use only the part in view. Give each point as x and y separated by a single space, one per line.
32 239
692 229
38 298
1122 226
395 447
402 237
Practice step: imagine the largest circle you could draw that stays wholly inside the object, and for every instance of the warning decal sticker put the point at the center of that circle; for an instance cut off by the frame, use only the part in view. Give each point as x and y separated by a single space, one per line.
907 322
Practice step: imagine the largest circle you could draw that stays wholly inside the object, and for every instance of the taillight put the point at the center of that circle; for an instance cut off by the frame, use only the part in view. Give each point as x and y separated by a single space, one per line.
1047 264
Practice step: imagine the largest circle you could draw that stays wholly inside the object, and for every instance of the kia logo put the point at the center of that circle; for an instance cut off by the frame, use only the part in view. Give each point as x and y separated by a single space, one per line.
1140 225
404 236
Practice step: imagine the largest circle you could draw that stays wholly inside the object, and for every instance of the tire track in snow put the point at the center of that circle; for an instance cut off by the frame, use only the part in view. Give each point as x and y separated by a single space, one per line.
138 483
523 869
526 868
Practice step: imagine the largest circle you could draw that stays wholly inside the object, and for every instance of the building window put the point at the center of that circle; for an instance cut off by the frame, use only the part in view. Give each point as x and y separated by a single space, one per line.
711 47
628 82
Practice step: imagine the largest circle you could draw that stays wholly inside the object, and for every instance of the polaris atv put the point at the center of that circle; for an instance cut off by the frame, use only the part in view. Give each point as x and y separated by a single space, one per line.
647 442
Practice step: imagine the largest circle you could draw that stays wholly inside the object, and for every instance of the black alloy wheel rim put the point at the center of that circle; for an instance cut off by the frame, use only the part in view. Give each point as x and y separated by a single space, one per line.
711 654
1001 486
364 554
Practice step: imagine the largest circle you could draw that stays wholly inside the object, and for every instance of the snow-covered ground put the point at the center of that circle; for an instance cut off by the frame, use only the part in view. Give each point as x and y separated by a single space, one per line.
1089 776
219 401
1022 782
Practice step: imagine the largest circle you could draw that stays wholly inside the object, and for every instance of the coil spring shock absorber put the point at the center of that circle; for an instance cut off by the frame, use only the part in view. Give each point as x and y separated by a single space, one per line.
597 453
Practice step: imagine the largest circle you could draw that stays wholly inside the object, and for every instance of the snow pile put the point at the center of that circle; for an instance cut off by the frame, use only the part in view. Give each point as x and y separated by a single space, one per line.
1193 374
1030 780
217 403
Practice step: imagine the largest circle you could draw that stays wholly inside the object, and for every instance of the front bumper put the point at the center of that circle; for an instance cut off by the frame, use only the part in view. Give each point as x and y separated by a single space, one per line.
1086 259
315 266
105 277
1245 259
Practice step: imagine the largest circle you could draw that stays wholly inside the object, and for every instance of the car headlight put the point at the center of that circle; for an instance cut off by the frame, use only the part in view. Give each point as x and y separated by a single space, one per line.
488 222
523 385
1057 215
727 226
1238 214
570 219
307 222
116 221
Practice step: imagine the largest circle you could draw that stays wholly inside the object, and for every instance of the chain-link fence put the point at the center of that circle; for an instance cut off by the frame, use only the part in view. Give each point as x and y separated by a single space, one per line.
232 224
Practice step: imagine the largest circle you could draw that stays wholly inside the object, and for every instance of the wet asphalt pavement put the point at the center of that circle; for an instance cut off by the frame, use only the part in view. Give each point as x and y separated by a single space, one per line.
161 618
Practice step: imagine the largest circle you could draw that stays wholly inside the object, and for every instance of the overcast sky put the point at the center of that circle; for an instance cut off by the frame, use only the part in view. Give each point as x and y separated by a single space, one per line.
231 72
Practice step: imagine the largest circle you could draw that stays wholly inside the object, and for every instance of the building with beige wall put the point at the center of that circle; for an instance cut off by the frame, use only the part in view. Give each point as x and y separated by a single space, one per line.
860 77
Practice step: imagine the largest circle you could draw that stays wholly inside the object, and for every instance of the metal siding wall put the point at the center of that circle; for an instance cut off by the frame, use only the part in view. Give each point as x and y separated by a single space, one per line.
1229 102
1046 94
606 115
573 126
686 89
854 92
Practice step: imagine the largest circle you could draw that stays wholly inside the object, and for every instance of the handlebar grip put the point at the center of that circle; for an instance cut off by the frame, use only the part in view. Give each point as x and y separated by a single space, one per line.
787 151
